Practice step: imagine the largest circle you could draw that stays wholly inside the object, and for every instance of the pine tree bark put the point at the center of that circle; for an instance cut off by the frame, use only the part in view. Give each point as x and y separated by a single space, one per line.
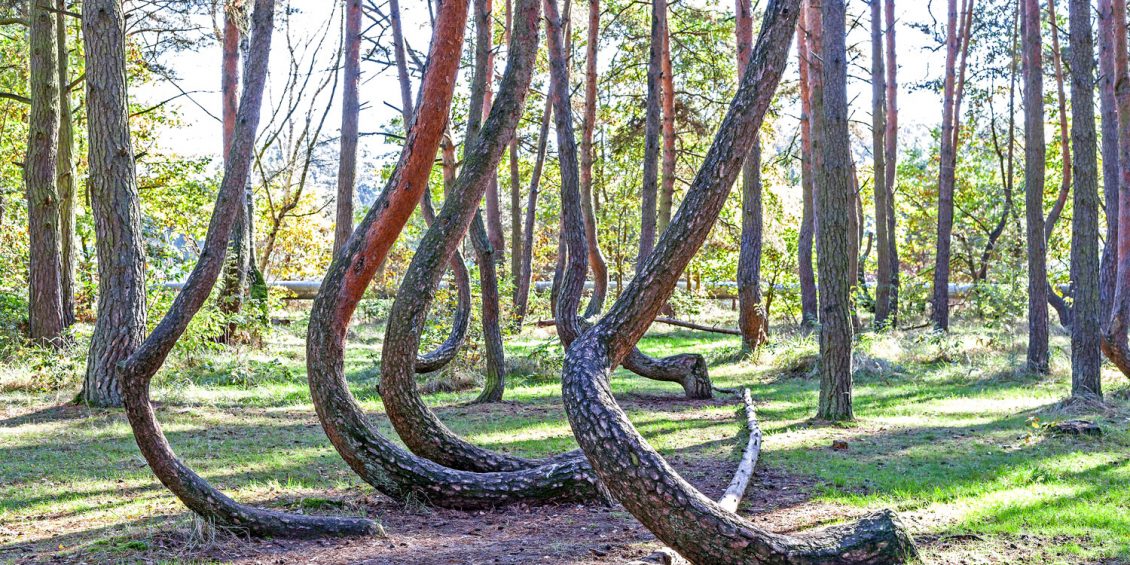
1115 345
650 188
939 315
1086 358
883 275
891 159
637 476
1108 111
596 260
65 170
378 460
350 115
237 267
752 321
808 301
45 305
667 84
515 187
113 175
1034 149
522 292
834 238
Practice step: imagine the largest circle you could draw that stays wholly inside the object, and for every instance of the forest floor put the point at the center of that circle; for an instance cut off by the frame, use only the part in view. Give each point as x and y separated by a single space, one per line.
949 433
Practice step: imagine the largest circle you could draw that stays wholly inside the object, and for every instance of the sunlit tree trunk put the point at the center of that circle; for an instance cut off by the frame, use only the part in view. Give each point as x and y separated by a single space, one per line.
752 321
939 315
237 266
45 308
595 258
1086 359
891 159
879 167
834 238
1062 308
667 83
1115 345
1034 156
350 112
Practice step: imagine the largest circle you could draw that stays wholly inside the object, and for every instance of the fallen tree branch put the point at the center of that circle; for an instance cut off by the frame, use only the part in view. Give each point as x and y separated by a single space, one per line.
668 321
734 493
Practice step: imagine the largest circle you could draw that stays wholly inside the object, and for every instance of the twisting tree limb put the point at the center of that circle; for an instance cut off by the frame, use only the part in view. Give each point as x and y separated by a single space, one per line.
375 458
637 476
112 162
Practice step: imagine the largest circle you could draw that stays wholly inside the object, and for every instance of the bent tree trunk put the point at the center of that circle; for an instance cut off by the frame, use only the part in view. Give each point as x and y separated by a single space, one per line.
376 459
45 304
113 176
688 370
446 351
680 516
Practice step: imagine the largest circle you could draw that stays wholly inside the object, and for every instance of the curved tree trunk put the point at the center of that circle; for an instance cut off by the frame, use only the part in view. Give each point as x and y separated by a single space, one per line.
596 259
1034 187
688 370
379 461
350 112
1086 359
45 305
446 351
680 516
120 250
807 233
65 171
836 202
879 168
650 188
1108 111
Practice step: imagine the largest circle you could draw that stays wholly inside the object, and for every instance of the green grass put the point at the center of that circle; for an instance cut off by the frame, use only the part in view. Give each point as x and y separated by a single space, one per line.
947 433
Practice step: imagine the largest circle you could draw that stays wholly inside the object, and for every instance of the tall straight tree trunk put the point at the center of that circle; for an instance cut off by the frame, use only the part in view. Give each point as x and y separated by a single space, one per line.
596 260
350 114
1062 308
752 321
515 184
807 233
1034 155
1086 358
667 82
493 208
1115 345
650 188
879 168
45 308
65 170
939 315
891 159
237 266
1108 111
834 238
522 292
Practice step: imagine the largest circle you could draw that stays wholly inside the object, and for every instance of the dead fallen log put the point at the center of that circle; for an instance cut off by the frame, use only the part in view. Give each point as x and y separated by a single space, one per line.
668 321
734 493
